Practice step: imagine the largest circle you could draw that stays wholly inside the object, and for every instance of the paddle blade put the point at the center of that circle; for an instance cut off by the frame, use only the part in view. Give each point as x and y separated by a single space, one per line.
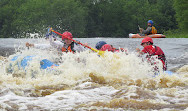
101 53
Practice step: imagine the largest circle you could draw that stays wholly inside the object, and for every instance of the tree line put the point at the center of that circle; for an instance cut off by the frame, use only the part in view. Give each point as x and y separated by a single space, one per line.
90 18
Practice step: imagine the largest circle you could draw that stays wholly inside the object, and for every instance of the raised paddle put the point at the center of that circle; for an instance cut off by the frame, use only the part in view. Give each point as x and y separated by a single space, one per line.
101 53
140 29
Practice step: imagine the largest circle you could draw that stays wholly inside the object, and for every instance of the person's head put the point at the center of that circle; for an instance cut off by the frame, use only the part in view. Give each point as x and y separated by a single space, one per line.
107 47
65 37
150 23
147 41
100 44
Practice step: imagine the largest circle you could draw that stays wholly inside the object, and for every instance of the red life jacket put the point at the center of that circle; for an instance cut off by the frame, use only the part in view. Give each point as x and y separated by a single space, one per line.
155 50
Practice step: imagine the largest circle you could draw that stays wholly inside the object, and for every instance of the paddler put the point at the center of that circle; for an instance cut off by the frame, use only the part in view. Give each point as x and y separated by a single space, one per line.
65 45
68 45
150 29
102 45
152 50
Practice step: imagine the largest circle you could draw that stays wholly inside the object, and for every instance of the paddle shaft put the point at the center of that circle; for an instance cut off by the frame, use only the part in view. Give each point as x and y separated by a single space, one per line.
76 41
139 27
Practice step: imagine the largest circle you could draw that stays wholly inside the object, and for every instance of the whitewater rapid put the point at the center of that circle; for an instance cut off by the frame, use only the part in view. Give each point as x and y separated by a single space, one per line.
85 81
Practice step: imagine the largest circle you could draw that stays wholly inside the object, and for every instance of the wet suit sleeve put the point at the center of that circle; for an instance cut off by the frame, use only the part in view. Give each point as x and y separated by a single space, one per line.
147 31
56 44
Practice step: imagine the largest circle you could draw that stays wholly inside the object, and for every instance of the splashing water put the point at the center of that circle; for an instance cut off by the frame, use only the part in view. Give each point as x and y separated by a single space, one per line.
85 81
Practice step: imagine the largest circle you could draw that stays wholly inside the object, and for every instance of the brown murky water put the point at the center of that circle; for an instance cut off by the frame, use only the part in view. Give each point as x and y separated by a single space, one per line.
95 83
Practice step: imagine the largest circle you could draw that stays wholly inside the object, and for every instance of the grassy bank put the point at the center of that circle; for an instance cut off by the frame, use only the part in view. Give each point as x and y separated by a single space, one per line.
176 34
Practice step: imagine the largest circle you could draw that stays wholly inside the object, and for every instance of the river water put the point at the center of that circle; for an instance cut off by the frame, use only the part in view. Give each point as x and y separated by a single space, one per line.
85 81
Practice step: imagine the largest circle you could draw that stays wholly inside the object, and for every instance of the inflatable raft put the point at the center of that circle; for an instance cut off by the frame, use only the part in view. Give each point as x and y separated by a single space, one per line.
44 64
152 36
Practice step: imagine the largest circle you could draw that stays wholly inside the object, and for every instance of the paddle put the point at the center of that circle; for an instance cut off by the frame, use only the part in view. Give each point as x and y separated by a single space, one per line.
101 53
140 29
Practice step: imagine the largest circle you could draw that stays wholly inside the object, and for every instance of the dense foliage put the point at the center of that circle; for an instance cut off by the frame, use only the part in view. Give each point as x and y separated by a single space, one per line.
90 18
181 7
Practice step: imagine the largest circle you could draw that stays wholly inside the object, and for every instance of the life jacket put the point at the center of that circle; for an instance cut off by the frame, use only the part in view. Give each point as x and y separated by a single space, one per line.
153 30
160 55
70 48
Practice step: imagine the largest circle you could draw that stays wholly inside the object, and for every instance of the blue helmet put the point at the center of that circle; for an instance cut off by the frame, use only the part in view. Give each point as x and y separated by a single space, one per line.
150 21
100 44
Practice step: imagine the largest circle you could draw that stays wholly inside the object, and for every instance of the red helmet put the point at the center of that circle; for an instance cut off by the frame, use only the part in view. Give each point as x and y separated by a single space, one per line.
66 35
106 47
147 39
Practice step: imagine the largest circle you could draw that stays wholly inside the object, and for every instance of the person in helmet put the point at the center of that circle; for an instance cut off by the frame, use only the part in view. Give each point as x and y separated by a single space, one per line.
69 45
152 50
102 45
65 45
150 29
107 47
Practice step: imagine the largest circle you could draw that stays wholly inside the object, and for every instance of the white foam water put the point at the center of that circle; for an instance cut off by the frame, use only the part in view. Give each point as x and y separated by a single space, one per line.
86 81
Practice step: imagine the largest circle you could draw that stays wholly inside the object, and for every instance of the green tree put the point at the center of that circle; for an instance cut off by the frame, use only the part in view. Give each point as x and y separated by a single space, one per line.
90 18
31 17
69 16
166 15
7 15
181 7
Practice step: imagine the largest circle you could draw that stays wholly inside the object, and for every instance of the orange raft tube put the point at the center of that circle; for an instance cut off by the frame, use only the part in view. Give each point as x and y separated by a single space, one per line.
152 36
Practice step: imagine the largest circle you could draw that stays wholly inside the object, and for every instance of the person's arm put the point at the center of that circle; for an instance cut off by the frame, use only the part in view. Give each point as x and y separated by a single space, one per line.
147 31
56 44
38 46
79 48
139 51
